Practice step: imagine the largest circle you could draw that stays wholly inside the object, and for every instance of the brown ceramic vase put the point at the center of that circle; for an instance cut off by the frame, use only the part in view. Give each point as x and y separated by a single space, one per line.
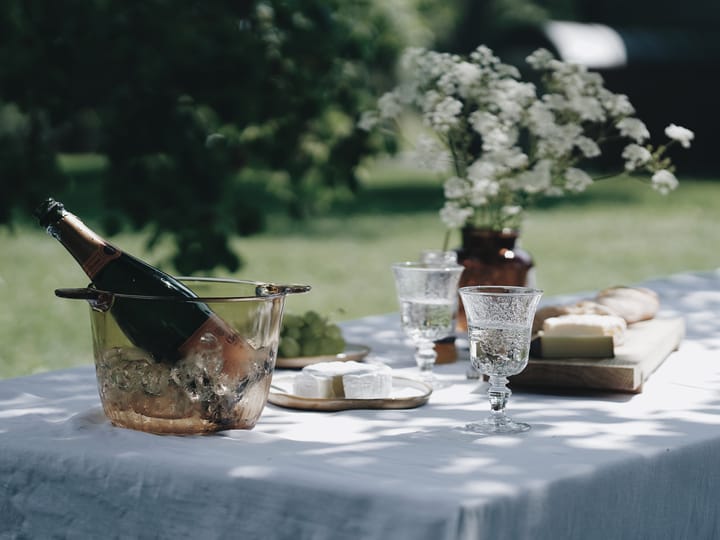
491 258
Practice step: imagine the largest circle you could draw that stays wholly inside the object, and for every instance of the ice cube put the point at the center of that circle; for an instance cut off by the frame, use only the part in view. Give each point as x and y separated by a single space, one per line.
199 371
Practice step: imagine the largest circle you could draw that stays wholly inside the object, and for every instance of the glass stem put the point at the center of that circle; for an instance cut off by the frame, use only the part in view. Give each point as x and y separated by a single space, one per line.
499 394
425 355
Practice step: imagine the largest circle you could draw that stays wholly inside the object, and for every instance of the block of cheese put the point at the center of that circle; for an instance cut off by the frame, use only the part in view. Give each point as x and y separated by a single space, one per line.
573 347
580 308
586 325
352 380
368 384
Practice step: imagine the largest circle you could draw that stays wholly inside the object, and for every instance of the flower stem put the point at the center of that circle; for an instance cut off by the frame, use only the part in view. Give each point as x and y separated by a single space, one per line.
446 240
605 176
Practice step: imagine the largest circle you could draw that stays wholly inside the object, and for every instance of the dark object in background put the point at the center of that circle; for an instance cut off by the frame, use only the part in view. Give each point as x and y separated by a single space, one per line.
664 55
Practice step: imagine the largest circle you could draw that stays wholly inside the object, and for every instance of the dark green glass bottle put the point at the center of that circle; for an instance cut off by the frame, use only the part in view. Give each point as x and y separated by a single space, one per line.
166 329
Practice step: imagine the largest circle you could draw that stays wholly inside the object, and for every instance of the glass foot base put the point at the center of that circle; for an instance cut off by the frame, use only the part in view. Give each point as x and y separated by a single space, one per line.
493 426
431 380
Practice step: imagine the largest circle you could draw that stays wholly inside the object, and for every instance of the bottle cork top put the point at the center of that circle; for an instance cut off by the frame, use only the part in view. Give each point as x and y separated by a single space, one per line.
49 212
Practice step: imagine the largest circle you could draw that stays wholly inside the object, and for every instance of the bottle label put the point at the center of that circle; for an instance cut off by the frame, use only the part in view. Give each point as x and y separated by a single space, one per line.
236 352
218 328
99 258
90 251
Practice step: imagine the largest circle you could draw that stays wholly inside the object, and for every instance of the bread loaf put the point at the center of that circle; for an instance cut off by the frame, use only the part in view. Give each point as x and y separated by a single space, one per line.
633 304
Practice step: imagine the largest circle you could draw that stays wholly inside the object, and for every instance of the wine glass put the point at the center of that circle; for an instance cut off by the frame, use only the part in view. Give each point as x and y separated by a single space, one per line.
438 257
499 325
428 297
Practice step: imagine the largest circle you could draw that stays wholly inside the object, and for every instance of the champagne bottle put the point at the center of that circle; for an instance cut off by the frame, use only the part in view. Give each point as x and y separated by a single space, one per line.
168 330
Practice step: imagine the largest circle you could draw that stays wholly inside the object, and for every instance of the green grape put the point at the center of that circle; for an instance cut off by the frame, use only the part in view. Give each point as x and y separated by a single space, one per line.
292 321
314 331
333 331
312 318
292 332
323 346
310 348
309 334
335 345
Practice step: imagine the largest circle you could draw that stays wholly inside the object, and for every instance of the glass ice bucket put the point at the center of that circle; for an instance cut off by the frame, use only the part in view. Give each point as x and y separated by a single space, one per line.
215 380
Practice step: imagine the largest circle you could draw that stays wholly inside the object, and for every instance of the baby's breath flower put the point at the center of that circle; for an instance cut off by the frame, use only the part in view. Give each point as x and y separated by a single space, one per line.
512 98
540 59
368 120
554 191
559 140
540 118
680 134
389 106
634 129
537 180
506 70
515 158
455 188
484 56
430 155
507 160
481 169
577 180
503 142
664 181
483 121
510 211
265 11
455 216
635 156
468 76
557 102
484 188
445 114
499 138
588 108
618 105
588 147
447 83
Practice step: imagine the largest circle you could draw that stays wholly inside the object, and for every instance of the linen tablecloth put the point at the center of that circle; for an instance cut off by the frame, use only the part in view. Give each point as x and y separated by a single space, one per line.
594 465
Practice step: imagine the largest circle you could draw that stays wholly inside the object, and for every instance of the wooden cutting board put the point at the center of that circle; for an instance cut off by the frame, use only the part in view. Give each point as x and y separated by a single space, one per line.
647 345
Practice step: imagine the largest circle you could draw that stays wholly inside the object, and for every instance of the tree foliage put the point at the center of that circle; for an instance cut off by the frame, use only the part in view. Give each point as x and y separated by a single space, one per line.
181 96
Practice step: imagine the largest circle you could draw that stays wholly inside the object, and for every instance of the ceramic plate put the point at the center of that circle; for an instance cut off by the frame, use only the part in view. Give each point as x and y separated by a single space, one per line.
351 352
406 394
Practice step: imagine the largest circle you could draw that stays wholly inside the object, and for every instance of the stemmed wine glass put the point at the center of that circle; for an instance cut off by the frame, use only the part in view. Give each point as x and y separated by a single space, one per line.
428 297
499 325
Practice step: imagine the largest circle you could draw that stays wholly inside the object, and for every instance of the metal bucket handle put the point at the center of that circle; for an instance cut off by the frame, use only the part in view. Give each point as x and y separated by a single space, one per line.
103 300
271 289
98 300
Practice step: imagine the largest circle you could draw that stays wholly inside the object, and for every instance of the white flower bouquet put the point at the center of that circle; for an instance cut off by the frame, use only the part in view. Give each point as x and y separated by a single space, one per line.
507 142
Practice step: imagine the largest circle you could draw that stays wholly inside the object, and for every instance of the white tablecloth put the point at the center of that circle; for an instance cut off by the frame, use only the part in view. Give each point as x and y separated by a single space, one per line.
593 466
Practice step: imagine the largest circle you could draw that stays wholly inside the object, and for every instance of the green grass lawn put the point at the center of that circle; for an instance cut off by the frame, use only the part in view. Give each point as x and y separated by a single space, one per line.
620 232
